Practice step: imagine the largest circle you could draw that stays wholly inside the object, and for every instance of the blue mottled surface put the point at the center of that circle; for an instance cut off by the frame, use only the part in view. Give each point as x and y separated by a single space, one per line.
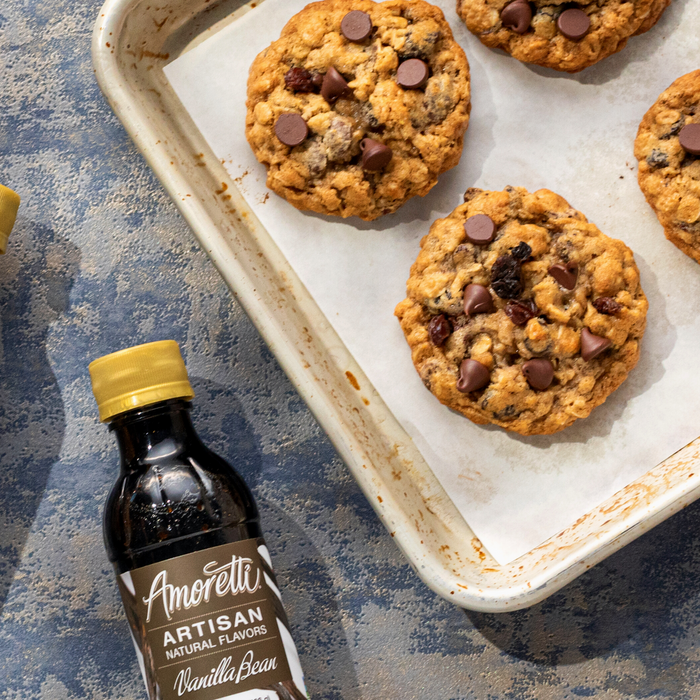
100 260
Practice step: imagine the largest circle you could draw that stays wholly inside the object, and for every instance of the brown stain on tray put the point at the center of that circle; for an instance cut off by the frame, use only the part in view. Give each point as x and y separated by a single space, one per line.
352 380
145 53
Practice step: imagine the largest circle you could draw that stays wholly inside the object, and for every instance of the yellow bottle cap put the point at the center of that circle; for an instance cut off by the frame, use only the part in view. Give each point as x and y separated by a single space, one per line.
9 204
139 376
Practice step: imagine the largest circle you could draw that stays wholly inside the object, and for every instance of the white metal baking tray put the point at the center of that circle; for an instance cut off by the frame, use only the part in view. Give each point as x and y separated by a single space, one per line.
133 40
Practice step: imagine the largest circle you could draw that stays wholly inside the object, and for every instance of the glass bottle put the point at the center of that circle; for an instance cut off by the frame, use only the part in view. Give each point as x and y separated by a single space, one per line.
183 533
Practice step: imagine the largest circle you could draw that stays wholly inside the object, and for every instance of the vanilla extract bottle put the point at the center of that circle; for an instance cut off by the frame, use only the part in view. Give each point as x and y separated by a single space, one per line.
183 533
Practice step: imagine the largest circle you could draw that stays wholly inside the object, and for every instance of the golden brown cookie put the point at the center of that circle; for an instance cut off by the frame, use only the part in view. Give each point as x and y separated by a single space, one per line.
521 313
564 36
668 149
359 106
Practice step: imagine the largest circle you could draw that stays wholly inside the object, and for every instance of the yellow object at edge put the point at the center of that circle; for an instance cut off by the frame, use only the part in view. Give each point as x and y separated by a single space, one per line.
139 376
9 204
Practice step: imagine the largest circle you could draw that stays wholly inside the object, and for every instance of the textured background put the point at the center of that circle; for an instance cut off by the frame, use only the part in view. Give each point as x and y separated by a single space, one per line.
99 260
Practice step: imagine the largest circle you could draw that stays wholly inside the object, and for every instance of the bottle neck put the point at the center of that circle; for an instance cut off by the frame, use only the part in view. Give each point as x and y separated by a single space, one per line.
154 433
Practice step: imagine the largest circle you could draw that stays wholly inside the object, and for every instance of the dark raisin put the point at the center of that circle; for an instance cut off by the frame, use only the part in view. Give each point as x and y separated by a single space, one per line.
521 252
607 306
520 312
505 277
439 330
507 288
301 80
657 159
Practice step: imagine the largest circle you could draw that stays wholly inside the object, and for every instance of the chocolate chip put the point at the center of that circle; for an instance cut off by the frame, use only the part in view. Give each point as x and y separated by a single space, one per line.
291 129
592 345
480 229
520 312
539 373
439 330
472 376
521 252
573 23
566 275
301 80
375 156
412 74
607 306
356 26
334 86
505 277
517 16
477 300
690 138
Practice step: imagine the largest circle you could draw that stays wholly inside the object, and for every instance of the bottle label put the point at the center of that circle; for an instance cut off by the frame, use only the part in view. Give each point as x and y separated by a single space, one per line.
210 625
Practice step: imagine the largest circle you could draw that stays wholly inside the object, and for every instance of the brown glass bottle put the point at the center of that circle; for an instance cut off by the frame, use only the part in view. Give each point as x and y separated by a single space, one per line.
182 530
173 495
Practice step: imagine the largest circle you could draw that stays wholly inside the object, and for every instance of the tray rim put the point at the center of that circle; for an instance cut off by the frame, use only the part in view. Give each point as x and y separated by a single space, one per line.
475 581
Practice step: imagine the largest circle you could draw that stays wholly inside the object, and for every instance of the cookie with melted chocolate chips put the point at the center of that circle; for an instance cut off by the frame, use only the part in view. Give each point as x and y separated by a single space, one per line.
538 326
383 92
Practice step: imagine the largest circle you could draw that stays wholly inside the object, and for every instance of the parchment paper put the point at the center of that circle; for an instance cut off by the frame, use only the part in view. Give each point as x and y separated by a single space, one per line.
530 127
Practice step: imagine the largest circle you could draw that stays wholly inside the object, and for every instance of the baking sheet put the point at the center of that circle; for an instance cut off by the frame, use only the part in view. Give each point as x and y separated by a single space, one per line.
530 127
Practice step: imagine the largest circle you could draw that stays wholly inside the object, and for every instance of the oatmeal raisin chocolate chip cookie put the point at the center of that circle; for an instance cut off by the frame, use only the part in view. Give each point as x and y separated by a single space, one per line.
668 150
561 35
359 106
521 313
